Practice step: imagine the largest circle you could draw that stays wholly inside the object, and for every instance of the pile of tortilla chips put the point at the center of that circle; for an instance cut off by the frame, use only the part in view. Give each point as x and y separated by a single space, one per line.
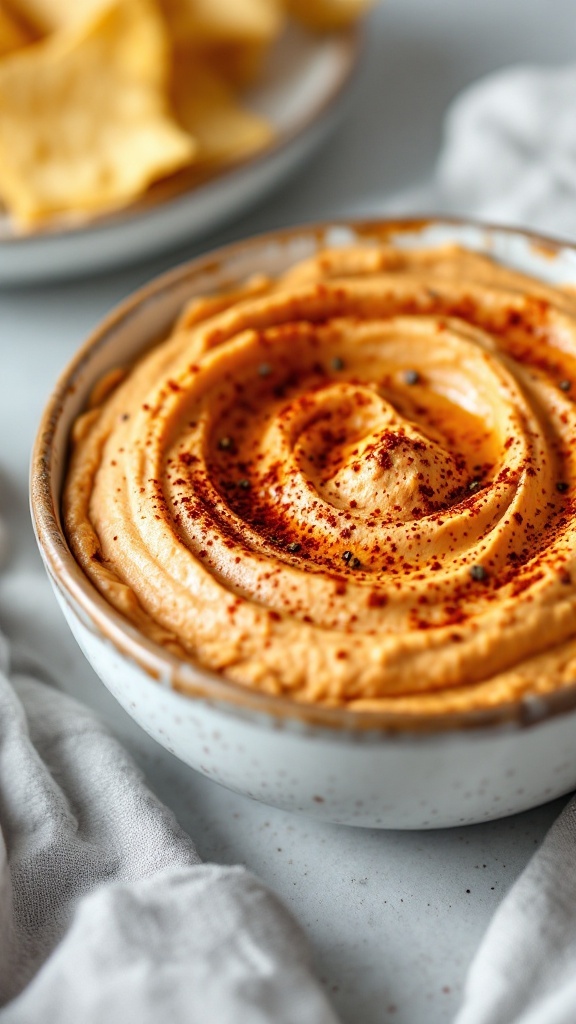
101 98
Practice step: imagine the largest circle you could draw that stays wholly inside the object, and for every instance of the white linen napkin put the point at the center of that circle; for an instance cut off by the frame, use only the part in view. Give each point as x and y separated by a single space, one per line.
106 914
509 151
525 970
508 155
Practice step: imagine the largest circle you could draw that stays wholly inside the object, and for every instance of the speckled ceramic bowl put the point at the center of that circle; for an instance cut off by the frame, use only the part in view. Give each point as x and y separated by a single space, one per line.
380 770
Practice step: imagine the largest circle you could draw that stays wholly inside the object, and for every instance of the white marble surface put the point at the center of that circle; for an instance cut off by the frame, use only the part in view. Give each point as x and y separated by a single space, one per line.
393 918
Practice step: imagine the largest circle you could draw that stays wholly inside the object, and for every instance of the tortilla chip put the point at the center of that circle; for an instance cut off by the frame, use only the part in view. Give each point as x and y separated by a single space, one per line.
223 21
84 123
13 35
49 15
240 64
207 109
328 15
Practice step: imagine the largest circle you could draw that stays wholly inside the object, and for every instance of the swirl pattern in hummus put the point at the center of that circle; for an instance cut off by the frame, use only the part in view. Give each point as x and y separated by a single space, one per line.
352 485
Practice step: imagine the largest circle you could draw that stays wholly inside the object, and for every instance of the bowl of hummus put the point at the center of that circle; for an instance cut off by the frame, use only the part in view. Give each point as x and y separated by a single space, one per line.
308 505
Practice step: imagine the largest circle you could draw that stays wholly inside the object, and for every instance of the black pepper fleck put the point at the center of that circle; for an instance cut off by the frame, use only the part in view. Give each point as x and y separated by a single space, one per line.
478 572
565 385
225 443
411 377
294 547
264 369
337 363
244 484
562 486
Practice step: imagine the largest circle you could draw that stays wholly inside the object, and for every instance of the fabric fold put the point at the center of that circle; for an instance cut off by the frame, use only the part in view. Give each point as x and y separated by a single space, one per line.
106 913
524 971
509 150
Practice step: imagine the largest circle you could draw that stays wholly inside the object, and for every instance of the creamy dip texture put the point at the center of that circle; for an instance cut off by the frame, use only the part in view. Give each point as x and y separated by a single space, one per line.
351 485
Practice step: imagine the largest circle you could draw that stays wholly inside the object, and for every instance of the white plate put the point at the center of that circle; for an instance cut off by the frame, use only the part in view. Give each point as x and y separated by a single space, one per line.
307 79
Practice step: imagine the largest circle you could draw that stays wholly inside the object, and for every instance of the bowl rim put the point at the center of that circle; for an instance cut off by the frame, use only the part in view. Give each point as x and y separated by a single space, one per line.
187 679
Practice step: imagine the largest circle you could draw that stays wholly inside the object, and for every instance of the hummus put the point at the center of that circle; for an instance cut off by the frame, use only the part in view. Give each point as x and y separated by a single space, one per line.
351 485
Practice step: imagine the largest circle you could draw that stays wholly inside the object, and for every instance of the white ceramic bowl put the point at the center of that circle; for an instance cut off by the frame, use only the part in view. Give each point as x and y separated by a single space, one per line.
379 770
